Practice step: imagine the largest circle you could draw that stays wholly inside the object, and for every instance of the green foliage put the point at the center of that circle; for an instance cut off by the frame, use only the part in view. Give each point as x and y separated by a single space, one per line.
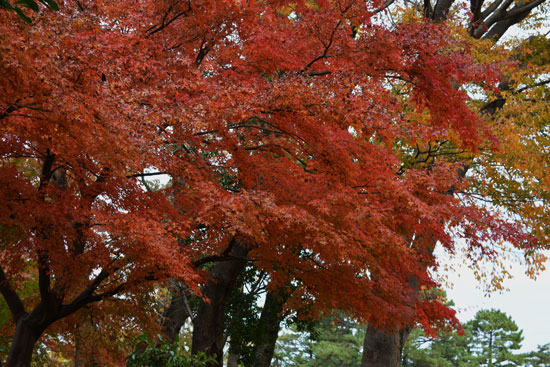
538 358
242 315
449 349
149 354
293 349
18 6
495 337
334 341
490 339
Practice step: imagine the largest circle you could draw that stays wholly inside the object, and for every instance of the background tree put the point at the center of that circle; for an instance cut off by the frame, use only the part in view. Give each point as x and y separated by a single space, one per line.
490 339
495 337
539 357
448 348
331 341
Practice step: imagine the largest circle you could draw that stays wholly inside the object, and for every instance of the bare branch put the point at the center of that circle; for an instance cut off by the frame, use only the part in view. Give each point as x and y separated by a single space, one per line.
384 6
327 47
539 84
147 174
164 24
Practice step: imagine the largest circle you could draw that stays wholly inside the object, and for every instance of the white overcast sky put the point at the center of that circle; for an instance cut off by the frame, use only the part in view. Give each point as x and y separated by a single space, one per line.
527 301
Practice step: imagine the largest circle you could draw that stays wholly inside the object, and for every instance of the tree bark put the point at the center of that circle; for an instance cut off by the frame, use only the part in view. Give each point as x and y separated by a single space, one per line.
208 326
383 349
270 323
175 315
25 337
30 326
232 360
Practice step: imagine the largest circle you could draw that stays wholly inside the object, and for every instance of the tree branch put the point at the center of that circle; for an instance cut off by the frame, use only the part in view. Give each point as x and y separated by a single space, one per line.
135 175
539 84
217 258
384 6
46 169
15 304
44 279
160 27
86 296
492 19
491 8
327 47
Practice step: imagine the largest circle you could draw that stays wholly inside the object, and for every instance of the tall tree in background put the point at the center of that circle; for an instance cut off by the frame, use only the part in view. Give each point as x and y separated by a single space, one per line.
494 338
491 338
539 357
448 349
331 341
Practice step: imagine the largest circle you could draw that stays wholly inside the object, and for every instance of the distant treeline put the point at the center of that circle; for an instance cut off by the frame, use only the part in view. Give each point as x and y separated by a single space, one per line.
490 339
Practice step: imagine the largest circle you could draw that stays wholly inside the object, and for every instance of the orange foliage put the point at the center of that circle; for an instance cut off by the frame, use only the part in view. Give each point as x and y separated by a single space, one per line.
276 127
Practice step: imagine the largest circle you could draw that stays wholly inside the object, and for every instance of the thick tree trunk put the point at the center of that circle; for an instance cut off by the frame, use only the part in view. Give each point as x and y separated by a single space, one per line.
270 322
175 315
25 337
208 326
383 349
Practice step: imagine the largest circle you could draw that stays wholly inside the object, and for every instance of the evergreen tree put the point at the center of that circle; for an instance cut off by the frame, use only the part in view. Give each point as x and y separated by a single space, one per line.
333 341
495 337
448 349
489 340
538 358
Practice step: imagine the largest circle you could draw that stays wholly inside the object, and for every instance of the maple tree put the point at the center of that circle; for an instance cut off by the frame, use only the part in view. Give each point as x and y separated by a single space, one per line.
283 139
257 178
510 177
73 214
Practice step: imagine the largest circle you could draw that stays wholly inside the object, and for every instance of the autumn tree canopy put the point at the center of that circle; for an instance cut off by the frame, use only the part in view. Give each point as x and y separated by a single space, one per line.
286 146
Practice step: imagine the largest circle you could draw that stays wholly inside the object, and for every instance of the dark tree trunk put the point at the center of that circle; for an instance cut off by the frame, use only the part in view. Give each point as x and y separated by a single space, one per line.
383 349
85 351
232 360
25 337
208 326
270 322
175 315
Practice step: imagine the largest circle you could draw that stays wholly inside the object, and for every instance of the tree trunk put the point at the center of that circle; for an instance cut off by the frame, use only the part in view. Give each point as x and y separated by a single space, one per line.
175 315
232 360
25 337
270 321
85 351
208 326
383 349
